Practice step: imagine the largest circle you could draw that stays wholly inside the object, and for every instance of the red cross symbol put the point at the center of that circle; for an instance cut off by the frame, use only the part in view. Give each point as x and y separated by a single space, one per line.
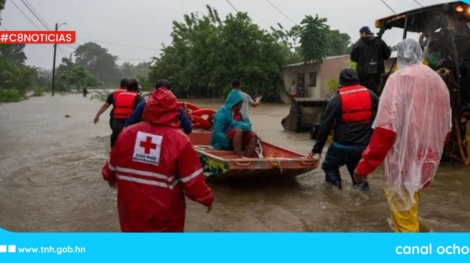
148 145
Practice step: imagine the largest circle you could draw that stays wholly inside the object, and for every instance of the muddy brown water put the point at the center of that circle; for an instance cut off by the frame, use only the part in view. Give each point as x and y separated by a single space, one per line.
50 180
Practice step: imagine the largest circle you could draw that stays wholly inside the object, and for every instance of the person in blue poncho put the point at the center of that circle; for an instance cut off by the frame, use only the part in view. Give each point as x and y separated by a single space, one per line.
137 114
230 132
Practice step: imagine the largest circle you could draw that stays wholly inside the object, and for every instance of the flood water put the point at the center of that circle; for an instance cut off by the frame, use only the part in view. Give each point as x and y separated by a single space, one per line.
50 180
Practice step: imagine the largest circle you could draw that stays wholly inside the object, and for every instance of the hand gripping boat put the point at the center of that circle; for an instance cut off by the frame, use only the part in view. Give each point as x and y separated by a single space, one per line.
269 159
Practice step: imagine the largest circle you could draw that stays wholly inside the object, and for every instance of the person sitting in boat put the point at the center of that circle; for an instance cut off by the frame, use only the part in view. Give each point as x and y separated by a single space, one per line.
353 108
153 165
136 116
231 133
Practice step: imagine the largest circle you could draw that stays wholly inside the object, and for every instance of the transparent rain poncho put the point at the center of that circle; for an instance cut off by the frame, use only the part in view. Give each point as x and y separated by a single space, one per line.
415 104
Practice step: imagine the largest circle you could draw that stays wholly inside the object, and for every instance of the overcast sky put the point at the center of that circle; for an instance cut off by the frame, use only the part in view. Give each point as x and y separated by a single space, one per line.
146 24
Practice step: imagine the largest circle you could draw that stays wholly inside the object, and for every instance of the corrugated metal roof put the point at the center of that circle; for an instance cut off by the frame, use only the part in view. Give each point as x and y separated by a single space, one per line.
302 63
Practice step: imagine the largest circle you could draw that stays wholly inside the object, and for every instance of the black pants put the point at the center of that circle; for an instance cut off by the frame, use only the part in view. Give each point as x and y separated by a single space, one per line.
336 157
117 127
371 81
111 114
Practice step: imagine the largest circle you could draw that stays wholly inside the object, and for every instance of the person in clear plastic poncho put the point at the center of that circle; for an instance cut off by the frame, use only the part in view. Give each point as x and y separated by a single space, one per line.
412 126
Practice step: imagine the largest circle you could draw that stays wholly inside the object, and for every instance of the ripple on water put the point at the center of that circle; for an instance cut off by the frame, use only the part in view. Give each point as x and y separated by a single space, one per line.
59 186
69 168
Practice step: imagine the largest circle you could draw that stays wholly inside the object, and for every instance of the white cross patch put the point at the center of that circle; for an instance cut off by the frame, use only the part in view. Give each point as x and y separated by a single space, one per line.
147 148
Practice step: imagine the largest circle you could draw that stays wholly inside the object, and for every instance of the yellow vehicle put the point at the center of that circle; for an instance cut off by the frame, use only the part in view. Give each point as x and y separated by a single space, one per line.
449 25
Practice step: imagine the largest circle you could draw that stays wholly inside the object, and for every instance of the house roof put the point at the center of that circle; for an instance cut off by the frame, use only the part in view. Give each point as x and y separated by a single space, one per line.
393 55
309 63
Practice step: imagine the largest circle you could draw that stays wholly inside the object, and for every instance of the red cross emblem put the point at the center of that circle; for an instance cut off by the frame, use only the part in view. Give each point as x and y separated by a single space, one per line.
148 145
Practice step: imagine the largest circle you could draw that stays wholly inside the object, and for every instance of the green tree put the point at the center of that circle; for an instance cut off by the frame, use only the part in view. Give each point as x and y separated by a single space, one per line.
288 42
338 43
43 78
207 52
316 39
14 53
64 66
2 6
79 77
314 34
99 62
334 83
139 71
351 64
16 77
128 69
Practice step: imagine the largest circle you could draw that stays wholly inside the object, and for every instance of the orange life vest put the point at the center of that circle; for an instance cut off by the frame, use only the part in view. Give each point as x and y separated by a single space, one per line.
124 105
117 92
356 104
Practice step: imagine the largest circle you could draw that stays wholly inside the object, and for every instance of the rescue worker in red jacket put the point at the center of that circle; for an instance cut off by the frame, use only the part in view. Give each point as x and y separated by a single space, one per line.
154 165
351 111
124 106
110 101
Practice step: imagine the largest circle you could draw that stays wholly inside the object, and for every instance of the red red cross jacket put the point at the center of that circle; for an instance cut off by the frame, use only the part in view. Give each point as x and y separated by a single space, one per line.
154 165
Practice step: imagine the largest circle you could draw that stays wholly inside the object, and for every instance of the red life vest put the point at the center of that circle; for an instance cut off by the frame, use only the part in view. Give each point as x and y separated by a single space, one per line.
116 93
356 104
124 105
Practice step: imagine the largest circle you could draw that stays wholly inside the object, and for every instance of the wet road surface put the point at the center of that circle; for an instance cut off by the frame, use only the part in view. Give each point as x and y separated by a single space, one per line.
50 180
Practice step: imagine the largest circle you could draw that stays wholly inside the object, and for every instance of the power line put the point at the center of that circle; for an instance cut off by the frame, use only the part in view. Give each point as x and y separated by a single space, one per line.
32 7
29 46
17 7
73 47
62 51
416 1
29 21
107 42
388 6
26 16
42 21
232 5
281 12
34 14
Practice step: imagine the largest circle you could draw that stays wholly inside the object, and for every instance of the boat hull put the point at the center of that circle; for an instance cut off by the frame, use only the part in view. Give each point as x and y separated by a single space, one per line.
275 161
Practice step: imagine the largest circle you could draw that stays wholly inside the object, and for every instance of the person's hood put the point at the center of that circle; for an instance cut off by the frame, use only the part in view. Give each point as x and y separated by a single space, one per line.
369 40
233 98
409 53
162 109
348 77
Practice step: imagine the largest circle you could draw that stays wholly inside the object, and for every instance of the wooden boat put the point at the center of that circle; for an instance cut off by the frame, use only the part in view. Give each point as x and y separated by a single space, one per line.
269 160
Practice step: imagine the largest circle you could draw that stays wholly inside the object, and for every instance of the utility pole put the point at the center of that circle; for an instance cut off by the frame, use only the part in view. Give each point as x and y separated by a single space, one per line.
53 62
71 57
